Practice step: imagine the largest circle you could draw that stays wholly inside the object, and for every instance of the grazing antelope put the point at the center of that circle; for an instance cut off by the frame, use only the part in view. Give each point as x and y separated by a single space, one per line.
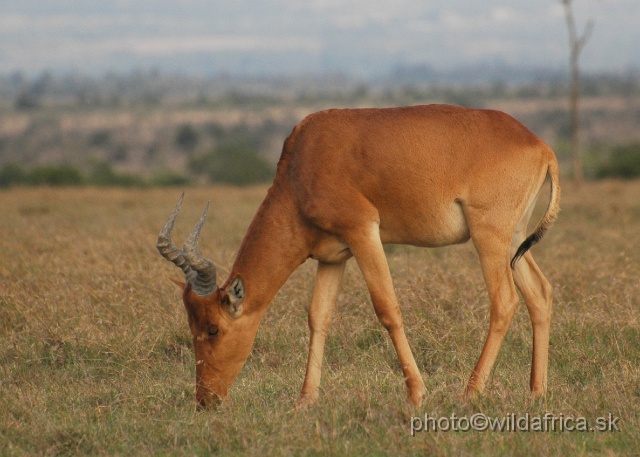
349 181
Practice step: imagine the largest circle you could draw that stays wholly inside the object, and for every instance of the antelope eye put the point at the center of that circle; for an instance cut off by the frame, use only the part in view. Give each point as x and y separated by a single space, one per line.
212 331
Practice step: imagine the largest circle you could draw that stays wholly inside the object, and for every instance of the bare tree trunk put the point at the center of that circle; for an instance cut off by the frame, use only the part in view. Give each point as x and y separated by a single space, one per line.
576 44
576 154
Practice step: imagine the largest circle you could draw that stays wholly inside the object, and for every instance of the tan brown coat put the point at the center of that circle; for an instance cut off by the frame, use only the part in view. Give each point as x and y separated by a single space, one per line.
350 180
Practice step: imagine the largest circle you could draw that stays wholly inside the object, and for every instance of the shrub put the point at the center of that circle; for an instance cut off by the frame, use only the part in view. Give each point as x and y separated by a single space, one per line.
169 179
623 162
233 163
55 175
12 174
104 175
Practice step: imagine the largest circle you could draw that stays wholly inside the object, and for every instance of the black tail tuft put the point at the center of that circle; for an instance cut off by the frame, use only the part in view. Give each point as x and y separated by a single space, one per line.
525 246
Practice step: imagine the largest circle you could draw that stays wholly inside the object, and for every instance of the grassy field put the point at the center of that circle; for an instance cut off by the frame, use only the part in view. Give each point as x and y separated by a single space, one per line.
95 351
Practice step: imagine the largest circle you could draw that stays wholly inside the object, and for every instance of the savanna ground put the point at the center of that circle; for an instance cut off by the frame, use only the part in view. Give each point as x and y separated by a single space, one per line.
95 351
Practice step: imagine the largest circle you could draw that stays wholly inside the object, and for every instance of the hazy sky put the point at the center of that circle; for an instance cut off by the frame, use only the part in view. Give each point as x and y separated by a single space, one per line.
360 37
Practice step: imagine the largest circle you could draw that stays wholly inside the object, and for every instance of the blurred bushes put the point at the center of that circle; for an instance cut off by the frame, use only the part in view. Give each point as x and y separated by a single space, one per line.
233 162
55 175
623 162
230 163
102 174
12 175
169 179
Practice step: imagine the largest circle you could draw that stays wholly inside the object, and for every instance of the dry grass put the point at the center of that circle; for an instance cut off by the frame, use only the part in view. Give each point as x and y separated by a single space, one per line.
95 353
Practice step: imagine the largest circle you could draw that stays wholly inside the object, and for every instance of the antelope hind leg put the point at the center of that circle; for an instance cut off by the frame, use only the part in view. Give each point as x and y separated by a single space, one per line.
537 293
494 260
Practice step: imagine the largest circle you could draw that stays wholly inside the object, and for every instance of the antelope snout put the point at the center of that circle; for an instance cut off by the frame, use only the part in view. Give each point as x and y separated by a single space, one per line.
207 399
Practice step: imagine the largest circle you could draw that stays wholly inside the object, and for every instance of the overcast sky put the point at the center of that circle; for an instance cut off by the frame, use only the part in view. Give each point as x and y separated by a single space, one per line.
358 37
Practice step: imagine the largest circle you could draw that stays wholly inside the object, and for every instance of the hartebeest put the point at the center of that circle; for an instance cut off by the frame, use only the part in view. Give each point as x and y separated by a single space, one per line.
349 181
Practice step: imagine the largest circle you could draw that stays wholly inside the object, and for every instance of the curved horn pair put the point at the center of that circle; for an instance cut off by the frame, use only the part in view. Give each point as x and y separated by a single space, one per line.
199 271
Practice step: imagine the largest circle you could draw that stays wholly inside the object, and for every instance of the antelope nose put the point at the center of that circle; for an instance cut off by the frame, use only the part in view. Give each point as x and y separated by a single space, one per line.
202 405
207 400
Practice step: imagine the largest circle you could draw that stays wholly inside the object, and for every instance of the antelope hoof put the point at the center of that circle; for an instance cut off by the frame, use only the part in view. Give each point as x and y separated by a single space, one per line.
417 394
305 400
472 392
416 400
538 392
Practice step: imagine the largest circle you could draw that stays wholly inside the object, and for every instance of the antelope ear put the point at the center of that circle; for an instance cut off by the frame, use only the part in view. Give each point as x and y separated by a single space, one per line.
233 297
180 284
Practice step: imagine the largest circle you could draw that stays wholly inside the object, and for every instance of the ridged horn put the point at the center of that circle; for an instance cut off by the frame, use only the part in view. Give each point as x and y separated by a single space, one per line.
166 247
199 271
204 283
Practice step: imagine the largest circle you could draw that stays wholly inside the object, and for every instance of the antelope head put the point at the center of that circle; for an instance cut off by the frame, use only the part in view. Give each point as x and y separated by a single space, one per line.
222 337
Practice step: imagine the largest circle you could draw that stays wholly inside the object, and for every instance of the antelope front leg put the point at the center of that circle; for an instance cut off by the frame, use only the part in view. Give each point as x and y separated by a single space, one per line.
325 293
372 261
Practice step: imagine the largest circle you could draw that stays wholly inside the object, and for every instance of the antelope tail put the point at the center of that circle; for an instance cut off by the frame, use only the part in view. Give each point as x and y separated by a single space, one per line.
549 216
